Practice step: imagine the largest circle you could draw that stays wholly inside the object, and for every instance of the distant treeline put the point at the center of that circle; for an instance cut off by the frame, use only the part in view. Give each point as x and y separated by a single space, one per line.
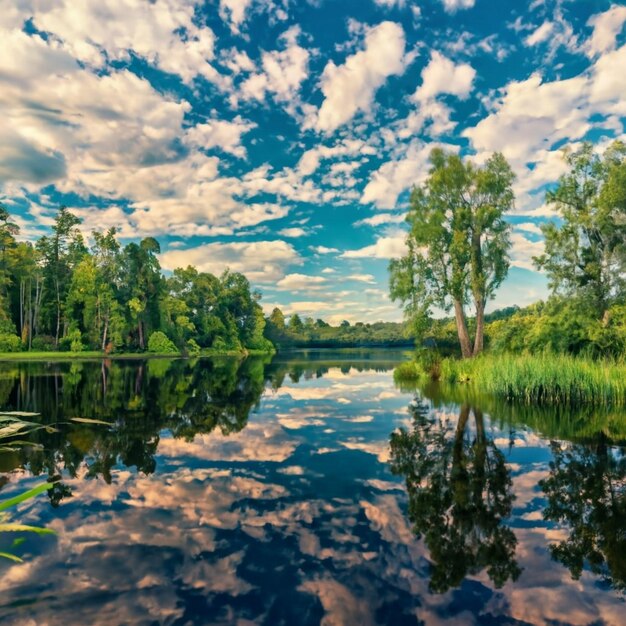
299 333
60 294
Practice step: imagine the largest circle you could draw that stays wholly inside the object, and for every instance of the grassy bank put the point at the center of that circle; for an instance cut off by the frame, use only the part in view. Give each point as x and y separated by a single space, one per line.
541 379
74 356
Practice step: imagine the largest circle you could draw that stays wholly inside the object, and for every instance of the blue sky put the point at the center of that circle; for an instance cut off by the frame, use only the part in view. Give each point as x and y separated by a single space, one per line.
280 138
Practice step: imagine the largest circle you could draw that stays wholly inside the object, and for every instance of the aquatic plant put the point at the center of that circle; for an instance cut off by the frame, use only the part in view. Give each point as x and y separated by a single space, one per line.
532 379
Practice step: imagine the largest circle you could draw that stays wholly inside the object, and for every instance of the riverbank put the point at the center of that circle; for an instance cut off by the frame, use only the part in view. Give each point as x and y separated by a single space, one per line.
90 355
530 379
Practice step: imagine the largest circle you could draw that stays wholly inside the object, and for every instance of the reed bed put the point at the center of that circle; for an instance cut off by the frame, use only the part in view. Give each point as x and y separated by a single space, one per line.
531 379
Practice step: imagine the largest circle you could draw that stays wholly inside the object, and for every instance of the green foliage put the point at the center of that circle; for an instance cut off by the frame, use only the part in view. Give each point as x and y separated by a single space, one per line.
457 247
10 343
159 343
193 349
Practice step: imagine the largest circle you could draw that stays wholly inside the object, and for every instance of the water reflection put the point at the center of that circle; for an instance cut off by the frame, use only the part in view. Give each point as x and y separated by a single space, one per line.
460 491
262 492
586 490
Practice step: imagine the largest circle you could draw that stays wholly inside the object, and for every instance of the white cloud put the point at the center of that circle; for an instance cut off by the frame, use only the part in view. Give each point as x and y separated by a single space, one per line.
362 278
394 177
220 134
529 227
540 34
283 71
234 11
388 247
350 88
260 261
162 32
443 76
451 6
523 250
296 282
381 219
606 27
293 233
323 250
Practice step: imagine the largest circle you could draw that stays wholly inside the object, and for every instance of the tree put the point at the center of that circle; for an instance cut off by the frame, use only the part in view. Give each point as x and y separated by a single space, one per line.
61 252
295 324
143 283
457 246
585 254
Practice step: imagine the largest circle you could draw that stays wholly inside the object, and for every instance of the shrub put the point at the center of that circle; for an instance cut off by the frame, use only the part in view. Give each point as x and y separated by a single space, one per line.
193 349
159 343
43 343
10 343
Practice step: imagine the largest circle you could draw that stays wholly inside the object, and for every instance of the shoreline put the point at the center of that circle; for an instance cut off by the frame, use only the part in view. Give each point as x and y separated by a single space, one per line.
124 356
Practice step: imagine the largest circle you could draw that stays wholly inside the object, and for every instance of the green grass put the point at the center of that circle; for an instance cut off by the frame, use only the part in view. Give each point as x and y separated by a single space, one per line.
538 379
73 356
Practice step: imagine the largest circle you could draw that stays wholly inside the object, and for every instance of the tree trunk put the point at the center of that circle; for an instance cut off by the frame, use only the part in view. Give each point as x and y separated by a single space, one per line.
480 327
56 337
461 327
140 329
104 333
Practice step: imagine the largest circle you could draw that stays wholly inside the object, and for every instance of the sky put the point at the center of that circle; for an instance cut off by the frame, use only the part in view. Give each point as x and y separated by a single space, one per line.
281 138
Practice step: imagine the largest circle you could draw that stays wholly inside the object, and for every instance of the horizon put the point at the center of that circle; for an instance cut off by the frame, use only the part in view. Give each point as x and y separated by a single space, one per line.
282 139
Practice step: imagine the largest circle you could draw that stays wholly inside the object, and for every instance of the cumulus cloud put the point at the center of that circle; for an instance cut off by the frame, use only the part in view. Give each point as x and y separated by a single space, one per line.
296 282
394 177
163 32
387 247
234 11
452 6
443 76
283 71
260 261
606 27
350 88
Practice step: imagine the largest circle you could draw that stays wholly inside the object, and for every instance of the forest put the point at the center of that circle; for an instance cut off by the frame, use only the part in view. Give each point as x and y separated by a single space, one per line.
62 295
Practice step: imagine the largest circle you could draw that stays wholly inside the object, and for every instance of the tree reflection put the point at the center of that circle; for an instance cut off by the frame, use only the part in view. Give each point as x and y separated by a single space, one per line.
139 400
586 490
460 490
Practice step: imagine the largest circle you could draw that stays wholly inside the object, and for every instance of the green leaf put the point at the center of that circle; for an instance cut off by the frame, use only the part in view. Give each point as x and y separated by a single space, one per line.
11 557
88 420
31 493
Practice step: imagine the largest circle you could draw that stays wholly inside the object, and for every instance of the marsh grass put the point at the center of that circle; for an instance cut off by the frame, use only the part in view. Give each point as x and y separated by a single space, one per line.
531 379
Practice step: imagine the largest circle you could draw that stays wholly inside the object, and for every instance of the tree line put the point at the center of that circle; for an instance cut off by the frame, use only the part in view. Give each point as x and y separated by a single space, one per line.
61 294
459 244
308 332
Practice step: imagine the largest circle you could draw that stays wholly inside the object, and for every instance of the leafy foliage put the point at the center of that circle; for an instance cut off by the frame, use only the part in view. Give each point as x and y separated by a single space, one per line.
59 295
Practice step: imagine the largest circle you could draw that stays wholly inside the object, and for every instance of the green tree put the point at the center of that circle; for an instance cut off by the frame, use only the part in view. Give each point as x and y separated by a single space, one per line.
585 253
457 246
61 252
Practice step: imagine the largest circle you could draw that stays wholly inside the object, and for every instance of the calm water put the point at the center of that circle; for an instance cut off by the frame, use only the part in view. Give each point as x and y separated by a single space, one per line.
307 490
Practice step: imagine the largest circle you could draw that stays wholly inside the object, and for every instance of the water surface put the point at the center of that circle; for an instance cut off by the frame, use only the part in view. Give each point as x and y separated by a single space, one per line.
307 490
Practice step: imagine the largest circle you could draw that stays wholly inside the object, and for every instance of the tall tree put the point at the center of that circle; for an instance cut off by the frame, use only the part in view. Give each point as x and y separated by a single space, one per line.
457 246
143 285
585 253
61 251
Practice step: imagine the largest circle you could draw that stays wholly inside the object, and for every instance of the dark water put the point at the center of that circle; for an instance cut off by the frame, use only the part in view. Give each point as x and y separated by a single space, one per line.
307 490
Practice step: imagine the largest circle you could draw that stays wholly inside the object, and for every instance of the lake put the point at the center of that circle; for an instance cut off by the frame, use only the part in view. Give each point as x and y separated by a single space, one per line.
307 489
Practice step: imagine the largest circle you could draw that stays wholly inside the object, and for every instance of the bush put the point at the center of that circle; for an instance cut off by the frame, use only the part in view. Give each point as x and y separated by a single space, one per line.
193 349
10 343
159 343
43 343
